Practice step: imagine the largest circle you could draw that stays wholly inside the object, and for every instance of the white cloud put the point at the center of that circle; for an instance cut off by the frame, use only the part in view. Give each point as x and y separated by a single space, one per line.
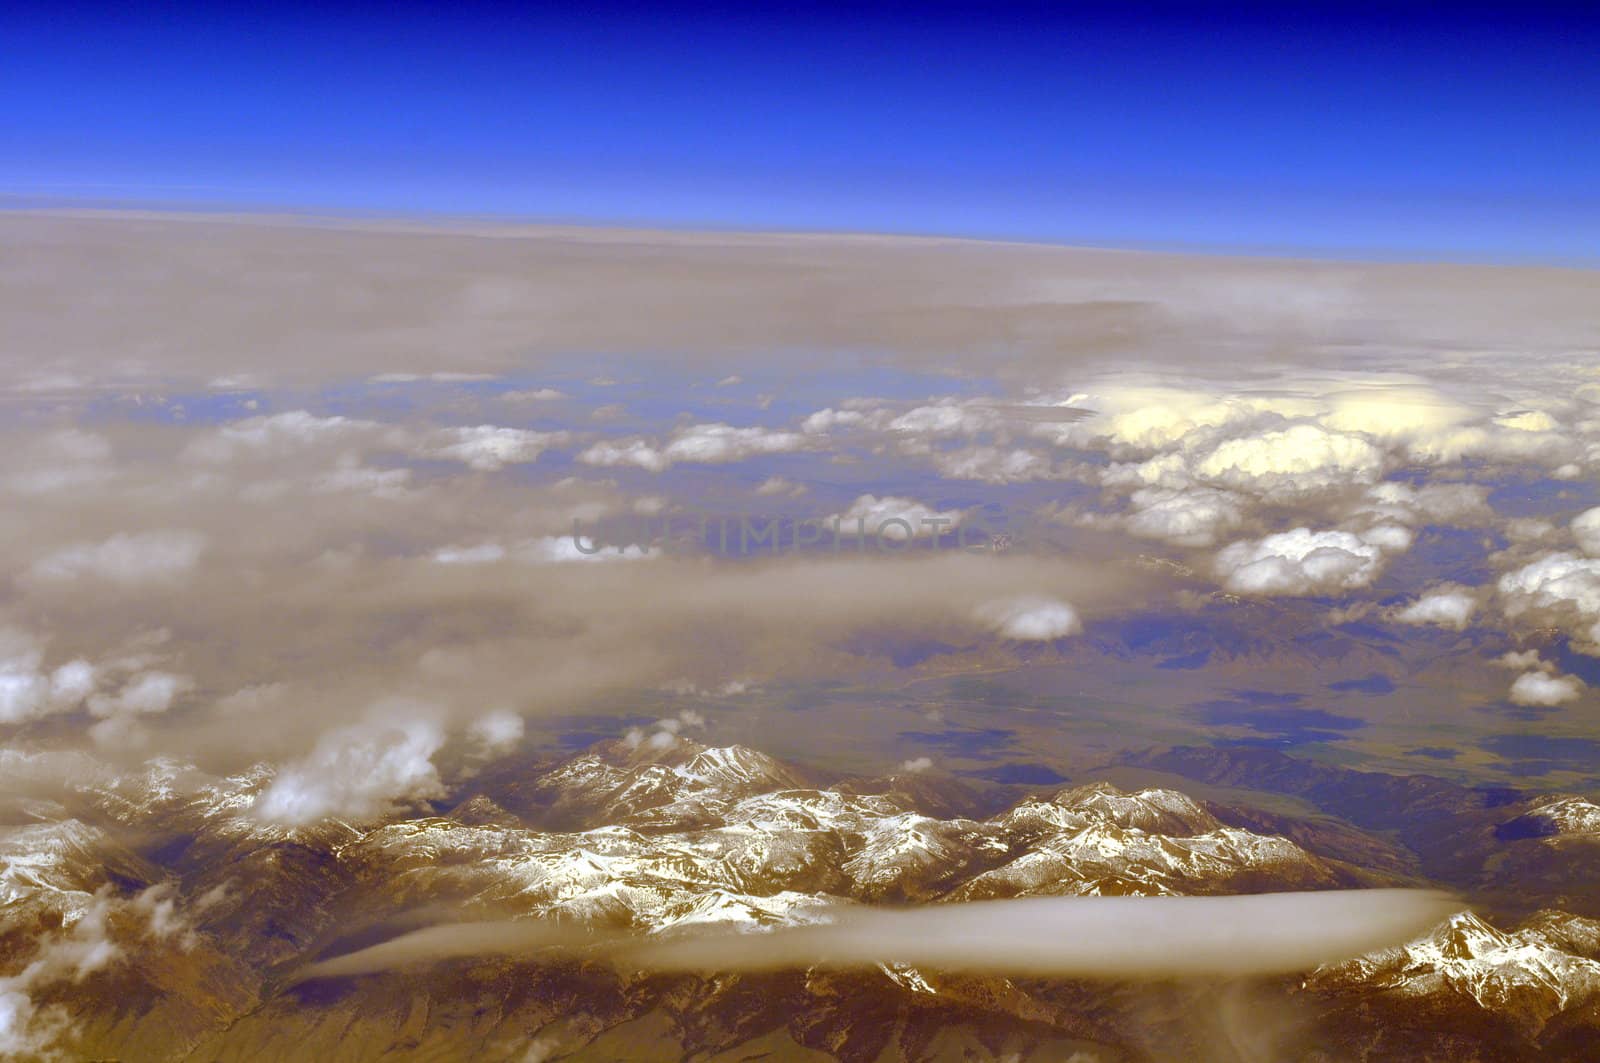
361 771
778 485
891 517
996 465
704 444
625 452
496 733
28 690
1029 618
1563 584
1450 607
1586 530
824 421
276 435
488 447
916 765
1300 562
1395 412
142 694
1194 517
125 559
1519 661
1538 688
1300 459
945 419
1528 421
721 443
481 554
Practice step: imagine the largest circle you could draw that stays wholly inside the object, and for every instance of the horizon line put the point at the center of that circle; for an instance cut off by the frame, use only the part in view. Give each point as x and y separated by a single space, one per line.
425 220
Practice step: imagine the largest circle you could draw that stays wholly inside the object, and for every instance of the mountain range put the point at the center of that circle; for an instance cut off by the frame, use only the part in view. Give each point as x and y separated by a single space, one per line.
154 916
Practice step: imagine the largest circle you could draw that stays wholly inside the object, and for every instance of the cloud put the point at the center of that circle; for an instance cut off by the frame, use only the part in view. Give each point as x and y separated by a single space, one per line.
147 692
1561 586
276 436
1195 517
916 765
1538 688
1029 618
1445 606
496 733
1395 412
548 550
28 690
1299 562
80 948
487 447
778 485
1296 460
718 443
1586 530
704 444
359 772
59 461
892 517
996 465
125 559
1077 937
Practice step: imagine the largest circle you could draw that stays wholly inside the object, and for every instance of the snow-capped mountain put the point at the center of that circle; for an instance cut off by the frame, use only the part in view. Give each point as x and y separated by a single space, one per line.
666 839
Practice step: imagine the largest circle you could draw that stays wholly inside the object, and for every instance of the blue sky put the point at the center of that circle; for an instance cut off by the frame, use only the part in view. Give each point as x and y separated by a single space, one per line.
1455 135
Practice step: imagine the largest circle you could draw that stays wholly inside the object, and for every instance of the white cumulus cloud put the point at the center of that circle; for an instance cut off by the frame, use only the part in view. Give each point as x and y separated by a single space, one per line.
1030 618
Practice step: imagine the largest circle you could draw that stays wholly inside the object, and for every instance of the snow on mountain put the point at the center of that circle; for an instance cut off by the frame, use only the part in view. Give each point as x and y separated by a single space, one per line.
1528 972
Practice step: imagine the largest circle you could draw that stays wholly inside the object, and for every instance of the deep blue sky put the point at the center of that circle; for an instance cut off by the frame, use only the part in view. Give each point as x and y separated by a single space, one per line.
1451 135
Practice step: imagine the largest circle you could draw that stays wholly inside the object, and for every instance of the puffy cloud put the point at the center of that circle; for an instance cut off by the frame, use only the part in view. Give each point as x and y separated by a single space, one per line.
778 485
125 559
1528 421
496 733
1586 530
1152 418
719 443
1299 459
891 517
946 419
1539 688
1395 412
361 771
81 946
1563 584
1194 517
1455 504
916 765
142 694
1449 606
824 421
1299 562
27 690
706 444
488 447
276 435
625 452
992 465
1029 618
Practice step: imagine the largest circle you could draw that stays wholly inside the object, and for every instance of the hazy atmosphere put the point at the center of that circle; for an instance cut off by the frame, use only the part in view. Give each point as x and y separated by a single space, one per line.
496 596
